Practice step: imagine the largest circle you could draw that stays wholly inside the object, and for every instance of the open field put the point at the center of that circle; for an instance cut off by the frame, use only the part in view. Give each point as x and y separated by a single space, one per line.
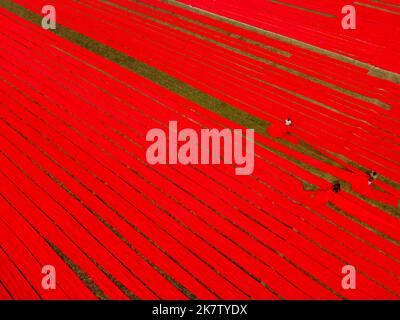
77 190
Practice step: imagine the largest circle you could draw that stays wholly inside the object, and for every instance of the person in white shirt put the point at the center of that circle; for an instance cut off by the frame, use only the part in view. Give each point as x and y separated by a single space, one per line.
372 177
288 122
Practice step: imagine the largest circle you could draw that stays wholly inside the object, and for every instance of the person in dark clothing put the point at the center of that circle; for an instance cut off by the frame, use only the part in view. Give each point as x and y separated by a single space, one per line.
336 186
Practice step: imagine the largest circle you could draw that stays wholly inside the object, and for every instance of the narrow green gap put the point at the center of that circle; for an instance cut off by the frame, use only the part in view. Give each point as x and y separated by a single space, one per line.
328 15
82 275
376 7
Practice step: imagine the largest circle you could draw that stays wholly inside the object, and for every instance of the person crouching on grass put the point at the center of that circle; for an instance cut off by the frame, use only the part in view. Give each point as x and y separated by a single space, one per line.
336 187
